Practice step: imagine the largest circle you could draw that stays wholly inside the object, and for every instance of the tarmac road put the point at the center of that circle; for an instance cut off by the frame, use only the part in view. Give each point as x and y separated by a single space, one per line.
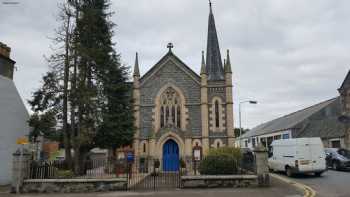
330 184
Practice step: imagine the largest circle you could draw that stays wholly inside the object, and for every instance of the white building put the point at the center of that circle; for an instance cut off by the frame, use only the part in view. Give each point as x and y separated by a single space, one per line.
13 115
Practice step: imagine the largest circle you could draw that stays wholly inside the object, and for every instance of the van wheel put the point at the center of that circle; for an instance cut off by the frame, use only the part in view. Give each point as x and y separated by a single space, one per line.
318 174
335 165
289 172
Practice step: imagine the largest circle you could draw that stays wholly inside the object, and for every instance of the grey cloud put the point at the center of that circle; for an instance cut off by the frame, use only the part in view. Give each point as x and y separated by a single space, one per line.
286 54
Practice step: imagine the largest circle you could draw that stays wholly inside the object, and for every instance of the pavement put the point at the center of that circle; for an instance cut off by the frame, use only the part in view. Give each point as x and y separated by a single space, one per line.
330 184
277 189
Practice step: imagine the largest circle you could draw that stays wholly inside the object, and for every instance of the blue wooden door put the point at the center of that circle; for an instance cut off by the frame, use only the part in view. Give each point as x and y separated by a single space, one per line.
170 156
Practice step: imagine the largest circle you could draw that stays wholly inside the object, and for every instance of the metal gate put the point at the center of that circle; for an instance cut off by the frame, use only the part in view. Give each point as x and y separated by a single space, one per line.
154 181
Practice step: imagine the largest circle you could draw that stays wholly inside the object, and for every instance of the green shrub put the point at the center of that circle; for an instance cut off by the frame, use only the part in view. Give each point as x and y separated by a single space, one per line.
182 163
221 161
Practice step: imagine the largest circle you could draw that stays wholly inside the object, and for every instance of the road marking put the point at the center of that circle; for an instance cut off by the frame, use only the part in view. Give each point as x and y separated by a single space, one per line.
308 191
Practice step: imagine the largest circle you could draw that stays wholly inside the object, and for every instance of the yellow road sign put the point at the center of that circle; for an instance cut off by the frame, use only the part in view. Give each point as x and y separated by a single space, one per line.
22 140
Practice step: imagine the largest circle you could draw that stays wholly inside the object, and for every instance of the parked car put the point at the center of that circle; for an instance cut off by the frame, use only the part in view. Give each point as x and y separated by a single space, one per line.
338 158
298 156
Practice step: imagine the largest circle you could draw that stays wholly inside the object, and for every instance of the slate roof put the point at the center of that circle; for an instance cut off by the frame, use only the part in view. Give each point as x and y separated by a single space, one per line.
166 57
214 67
325 128
290 121
346 82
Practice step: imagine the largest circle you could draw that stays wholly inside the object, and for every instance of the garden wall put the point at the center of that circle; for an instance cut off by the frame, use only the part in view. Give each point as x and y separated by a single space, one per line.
73 185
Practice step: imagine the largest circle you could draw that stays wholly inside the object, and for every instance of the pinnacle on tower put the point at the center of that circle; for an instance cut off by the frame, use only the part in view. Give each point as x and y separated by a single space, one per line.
203 67
136 67
228 63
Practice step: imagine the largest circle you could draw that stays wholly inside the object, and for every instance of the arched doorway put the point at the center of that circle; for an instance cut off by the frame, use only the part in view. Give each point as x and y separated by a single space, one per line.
170 156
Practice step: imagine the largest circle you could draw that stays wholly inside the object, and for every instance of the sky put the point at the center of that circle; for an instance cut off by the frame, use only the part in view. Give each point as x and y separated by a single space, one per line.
287 55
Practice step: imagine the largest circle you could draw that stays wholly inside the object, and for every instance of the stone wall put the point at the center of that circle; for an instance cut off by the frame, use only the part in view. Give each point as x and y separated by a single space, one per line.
217 181
73 186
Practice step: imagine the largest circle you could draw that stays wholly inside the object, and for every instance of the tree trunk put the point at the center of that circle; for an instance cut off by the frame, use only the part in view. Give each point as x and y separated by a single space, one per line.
67 135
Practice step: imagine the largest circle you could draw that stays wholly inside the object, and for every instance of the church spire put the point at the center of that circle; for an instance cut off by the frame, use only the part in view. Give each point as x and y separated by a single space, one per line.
214 66
203 67
227 65
136 67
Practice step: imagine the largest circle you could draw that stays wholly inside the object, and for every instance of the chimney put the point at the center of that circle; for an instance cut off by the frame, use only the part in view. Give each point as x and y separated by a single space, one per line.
6 63
5 50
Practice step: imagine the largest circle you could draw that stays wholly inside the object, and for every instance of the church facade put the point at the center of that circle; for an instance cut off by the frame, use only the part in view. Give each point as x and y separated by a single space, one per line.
177 110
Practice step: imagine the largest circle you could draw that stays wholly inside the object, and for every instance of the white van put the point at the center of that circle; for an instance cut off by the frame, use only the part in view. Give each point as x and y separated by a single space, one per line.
298 155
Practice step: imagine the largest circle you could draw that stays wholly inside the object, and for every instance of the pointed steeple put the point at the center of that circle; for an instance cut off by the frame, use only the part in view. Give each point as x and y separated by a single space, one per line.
214 66
203 67
228 63
136 67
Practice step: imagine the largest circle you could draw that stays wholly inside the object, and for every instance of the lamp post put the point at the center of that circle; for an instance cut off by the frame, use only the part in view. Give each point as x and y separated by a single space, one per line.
240 117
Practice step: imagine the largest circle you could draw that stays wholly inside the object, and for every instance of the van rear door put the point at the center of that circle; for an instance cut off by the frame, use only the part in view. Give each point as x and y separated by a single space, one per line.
318 157
304 157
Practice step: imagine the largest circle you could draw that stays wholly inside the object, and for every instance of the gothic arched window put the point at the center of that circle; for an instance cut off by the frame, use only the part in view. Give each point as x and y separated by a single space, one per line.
170 110
217 116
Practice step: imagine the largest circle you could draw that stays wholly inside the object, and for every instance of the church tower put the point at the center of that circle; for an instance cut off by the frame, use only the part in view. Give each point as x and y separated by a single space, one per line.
216 93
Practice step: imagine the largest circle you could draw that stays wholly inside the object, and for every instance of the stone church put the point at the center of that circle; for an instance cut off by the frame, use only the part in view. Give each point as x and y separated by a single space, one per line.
177 110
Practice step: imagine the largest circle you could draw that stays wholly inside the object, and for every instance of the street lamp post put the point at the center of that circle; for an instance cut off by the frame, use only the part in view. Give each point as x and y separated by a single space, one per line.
240 116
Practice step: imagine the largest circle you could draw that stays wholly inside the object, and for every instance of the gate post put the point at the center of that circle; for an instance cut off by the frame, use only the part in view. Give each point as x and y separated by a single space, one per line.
20 168
262 169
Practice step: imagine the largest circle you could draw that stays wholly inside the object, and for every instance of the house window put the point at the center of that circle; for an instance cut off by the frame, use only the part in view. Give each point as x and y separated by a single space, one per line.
335 143
285 136
277 137
246 143
253 142
144 148
170 110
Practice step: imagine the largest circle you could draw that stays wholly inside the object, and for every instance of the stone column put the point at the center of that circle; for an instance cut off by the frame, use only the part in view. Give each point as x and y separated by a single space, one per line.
20 169
262 169
153 153
188 153
204 113
137 101
229 109
229 101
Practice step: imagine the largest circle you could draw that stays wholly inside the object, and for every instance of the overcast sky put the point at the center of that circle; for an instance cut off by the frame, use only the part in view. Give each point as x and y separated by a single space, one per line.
286 54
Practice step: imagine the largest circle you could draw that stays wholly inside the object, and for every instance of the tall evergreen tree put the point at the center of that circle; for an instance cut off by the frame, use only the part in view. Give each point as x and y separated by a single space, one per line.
87 78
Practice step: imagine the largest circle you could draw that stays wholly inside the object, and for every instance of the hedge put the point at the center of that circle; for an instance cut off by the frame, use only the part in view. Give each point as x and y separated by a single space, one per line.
221 161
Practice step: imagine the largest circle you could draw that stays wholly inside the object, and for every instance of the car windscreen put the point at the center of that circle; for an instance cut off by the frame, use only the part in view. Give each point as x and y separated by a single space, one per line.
344 152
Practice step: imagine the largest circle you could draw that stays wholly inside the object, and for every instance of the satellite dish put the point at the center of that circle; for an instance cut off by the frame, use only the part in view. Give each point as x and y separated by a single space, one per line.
344 119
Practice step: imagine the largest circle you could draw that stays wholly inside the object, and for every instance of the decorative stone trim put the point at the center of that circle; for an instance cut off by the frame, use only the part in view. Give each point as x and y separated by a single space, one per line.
216 143
163 139
144 145
196 141
156 110
212 115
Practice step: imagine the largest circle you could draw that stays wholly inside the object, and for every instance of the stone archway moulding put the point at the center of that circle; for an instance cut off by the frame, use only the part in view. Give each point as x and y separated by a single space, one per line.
165 138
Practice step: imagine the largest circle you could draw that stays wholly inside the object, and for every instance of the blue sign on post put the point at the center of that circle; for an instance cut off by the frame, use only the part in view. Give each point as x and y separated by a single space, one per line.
130 157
